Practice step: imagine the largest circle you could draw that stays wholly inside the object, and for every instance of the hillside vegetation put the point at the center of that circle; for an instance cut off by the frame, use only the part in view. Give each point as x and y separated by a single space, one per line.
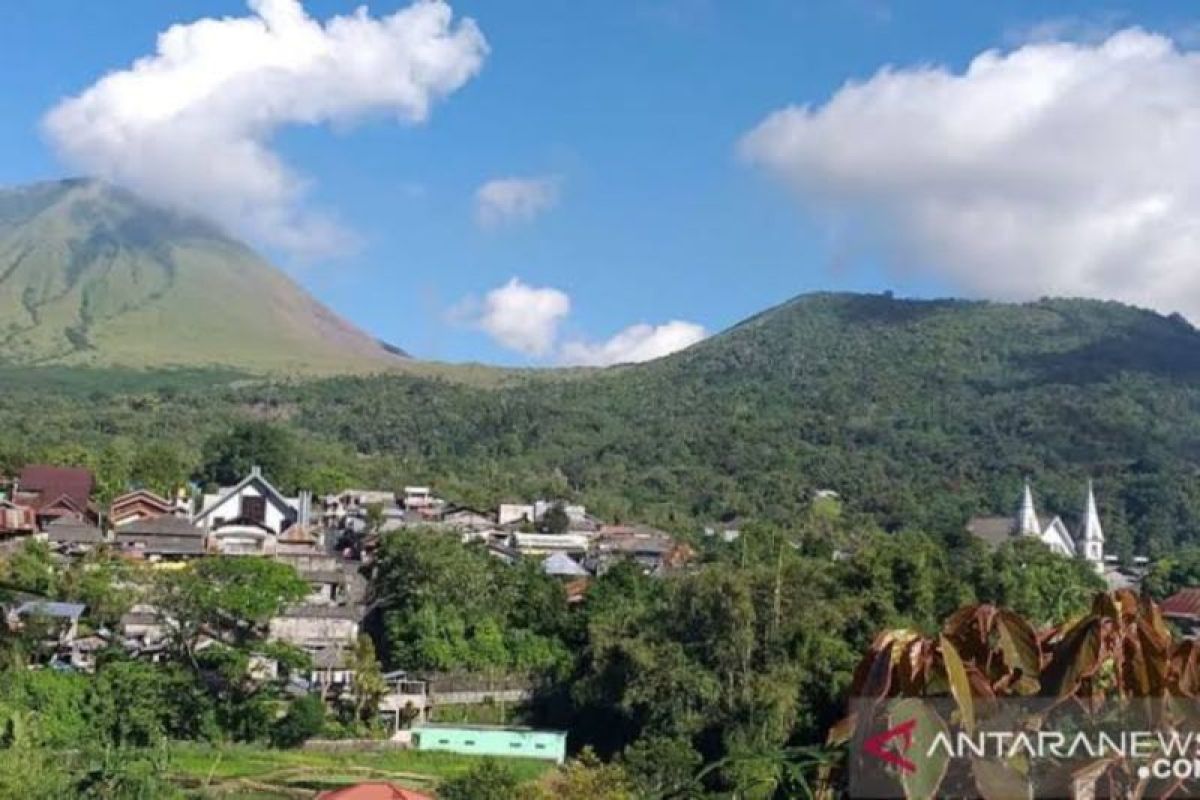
919 413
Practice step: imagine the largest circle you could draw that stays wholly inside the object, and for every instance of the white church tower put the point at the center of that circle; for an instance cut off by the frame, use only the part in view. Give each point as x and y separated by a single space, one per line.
1027 518
1090 542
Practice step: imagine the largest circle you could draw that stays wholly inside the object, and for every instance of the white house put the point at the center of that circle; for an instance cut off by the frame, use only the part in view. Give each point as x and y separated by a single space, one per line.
247 519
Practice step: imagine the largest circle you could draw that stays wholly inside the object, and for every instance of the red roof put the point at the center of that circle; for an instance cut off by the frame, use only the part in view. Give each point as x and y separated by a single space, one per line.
51 483
1184 603
373 791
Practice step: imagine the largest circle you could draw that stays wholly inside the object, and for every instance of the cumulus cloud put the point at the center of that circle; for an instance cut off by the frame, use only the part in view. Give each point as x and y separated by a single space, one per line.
636 343
509 200
1055 168
192 123
519 316
528 319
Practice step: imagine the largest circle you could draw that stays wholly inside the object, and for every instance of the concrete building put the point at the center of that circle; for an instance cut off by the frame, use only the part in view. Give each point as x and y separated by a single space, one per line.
487 740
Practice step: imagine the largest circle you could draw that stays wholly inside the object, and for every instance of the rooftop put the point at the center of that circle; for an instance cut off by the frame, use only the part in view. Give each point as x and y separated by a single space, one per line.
50 608
1184 603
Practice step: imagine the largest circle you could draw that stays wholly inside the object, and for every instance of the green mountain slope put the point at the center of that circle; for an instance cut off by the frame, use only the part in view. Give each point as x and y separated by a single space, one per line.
91 275
918 412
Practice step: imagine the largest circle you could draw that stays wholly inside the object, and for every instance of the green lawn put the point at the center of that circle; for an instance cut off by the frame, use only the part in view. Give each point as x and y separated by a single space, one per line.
259 772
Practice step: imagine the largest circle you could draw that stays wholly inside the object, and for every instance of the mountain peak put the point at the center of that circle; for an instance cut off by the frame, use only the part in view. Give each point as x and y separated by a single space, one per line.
93 274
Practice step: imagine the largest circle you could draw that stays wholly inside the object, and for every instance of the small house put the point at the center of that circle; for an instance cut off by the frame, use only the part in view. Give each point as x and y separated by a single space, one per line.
64 617
142 504
488 740
16 520
73 536
54 492
160 538
1183 609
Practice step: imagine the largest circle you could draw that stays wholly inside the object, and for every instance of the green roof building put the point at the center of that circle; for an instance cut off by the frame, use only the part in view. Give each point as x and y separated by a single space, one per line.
488 740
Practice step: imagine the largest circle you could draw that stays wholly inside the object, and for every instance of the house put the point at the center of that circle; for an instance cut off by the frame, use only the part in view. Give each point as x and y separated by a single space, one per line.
419 497
406 701
561 565
16 520
73 536
334 580
299 540
54 492
143 504
373 790
726 530
1183 609
514 514
653 550
248 518
468 519
327 633
539 544
1088 543
336 508
160 538
143 626
489 740
63 616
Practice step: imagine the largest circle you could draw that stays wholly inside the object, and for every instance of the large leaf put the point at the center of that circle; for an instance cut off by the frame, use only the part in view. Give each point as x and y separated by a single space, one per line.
929 763
1074 658
960 684
1018 642
997 780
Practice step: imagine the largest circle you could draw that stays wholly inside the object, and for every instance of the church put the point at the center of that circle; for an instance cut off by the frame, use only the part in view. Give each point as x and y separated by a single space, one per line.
1087 543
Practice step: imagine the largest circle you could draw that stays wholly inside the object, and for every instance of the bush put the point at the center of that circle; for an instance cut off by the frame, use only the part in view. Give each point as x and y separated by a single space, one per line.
304 719
489 780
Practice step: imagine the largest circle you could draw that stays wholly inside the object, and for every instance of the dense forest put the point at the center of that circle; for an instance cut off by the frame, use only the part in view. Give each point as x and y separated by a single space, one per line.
918 413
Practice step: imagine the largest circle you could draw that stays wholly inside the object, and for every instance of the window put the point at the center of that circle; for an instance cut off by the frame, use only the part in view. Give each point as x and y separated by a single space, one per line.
254 508
443 741
515 745
469 742
539 747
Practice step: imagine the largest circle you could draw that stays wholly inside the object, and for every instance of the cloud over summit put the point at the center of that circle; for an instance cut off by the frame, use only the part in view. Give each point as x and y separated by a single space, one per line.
191 124
1055 168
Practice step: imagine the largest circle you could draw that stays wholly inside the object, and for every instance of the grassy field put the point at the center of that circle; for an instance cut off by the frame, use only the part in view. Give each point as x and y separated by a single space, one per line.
256 772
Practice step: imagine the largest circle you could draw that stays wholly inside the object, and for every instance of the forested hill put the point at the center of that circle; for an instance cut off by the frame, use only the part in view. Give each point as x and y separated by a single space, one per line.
920 413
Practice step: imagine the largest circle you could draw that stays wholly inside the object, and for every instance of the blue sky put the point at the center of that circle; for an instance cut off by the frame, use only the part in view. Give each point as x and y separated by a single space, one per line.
633 109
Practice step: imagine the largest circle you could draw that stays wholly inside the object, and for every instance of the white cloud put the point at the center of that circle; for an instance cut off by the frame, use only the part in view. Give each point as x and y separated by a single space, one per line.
192 124
636 343
520 317
509 200
1056 168
528 319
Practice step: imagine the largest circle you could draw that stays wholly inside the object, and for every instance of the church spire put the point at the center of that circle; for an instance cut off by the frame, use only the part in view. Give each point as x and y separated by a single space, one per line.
1091 531
1027 520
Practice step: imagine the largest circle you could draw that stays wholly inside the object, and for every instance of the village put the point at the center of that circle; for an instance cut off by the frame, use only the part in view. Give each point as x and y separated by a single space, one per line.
330 542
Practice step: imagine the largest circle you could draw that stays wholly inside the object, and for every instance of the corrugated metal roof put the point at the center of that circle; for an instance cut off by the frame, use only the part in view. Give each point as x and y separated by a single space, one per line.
50 608
51 483
1184 603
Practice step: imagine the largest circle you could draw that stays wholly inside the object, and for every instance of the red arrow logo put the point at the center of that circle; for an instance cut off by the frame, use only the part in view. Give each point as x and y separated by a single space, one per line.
904 731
